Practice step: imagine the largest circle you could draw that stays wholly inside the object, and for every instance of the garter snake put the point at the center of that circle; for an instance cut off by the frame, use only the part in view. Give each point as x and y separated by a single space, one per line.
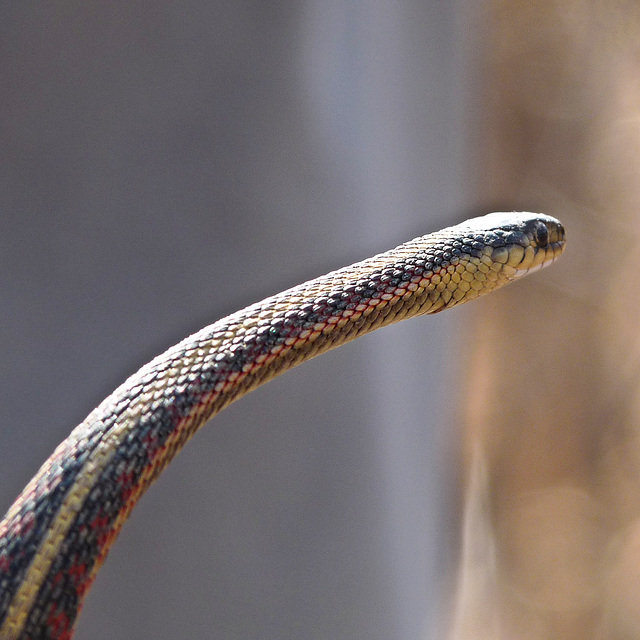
57 533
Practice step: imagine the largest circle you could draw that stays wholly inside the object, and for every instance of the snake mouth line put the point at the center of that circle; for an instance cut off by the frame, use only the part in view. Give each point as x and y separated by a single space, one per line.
523 272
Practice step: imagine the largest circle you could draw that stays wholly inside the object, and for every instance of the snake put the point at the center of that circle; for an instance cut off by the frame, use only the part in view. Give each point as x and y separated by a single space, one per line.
57 533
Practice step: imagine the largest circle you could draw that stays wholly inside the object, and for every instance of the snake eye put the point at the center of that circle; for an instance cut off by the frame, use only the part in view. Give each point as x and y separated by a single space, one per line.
542 235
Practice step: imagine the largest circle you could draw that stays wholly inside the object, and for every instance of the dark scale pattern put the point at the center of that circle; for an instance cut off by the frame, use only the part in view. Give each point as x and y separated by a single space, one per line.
26 529
87 488
68 577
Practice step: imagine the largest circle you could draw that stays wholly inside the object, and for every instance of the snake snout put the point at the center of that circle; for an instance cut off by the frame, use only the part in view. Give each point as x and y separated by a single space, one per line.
543 240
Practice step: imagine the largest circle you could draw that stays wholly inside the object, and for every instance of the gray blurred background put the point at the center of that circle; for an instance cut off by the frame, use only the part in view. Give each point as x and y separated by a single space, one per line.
163 164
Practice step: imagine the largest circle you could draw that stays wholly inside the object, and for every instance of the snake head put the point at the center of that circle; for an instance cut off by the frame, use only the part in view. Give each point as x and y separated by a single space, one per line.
520 241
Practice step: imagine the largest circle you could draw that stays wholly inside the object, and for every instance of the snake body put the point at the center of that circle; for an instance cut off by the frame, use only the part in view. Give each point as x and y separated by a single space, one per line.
57 533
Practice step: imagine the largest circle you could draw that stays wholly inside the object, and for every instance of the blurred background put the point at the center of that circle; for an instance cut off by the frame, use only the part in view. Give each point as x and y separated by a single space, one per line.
470 475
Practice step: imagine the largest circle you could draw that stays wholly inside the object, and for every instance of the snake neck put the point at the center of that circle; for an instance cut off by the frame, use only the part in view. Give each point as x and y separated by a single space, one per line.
64 522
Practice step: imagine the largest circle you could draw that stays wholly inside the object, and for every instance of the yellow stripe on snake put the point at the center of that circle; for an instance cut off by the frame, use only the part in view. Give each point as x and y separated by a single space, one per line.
58 532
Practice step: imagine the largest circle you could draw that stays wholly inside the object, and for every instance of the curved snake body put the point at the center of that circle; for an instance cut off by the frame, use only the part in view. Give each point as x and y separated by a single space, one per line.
57 533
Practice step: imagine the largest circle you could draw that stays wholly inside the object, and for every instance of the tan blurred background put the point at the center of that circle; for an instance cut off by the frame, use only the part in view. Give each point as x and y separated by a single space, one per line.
552 488
471 475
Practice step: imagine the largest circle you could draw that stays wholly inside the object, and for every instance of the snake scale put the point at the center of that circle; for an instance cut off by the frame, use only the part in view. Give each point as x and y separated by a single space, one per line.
58 532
